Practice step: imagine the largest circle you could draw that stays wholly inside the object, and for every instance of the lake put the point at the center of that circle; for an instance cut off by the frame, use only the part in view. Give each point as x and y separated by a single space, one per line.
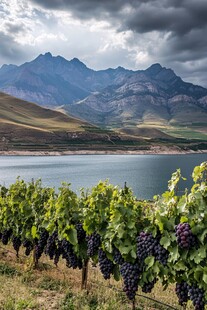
147 175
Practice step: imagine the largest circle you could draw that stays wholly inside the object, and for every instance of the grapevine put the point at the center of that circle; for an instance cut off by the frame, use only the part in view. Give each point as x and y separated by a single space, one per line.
139 241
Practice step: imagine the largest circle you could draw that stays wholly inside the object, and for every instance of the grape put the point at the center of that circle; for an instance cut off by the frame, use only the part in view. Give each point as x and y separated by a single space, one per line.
58 252
93 244
160 253
147 245
51 246
185 237
118 259
41 244
130 273
181 290
81 234
197 296
16 241
6 235
72 260
28 245
147 287
106 265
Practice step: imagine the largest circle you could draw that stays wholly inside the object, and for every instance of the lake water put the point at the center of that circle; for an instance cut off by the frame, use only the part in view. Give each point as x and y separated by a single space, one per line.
147 175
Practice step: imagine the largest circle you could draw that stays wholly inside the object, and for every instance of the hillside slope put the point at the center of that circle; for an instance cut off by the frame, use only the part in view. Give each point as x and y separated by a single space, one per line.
154 98
27 126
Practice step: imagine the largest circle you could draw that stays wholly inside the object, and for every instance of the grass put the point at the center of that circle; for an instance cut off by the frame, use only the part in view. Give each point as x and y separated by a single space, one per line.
20 113
51 288
188 133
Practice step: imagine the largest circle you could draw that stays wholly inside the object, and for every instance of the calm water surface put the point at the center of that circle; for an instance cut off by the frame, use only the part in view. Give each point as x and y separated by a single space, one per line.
146 174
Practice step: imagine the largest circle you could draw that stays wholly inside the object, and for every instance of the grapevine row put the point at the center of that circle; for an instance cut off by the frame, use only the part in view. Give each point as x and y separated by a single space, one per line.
141 242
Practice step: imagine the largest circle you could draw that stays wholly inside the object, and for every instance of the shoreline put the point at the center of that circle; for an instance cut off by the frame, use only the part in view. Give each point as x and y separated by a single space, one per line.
152 151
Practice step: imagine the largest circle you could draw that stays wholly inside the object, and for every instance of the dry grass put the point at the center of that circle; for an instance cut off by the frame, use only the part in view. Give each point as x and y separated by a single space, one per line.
51 288
18 112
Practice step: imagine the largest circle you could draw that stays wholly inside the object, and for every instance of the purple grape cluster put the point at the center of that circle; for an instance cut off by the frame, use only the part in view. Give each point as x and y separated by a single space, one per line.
181 290
93 244
105 264
147 287
185 237
81 234
51 246
29 246
118 259
130 274
58 252
16 242
41 243
197 296
72 260
6 235
147 245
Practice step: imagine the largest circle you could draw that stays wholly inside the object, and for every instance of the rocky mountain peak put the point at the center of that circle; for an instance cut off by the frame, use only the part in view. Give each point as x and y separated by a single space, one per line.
154 69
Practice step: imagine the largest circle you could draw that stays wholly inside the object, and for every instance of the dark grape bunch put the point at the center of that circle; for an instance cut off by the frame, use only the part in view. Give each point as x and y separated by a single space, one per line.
81 234
147 287
51 246
58 252
160 253
130 274
118 259
105 264
29 246
181 290
72 260
16 242
197 296
41 244
6 235
93 244
147 245
185 237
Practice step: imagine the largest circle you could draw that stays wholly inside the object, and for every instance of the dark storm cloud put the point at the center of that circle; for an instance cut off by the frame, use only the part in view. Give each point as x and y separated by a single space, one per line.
82 6
167 17
162 15
173 17
181 25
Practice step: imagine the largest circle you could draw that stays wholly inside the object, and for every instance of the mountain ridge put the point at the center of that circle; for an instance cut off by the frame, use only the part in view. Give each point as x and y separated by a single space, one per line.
113 98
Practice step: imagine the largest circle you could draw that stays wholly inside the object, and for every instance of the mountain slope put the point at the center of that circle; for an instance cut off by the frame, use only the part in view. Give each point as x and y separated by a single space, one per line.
113 98
27 126
155 97
29 115
54 81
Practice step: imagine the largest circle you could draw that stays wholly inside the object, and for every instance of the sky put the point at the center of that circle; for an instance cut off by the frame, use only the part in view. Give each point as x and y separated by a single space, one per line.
109 33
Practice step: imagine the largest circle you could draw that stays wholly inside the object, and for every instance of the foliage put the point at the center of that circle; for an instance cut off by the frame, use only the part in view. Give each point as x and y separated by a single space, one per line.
138 235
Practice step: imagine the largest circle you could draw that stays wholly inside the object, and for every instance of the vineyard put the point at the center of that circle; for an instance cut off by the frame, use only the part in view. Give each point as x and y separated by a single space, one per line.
138 242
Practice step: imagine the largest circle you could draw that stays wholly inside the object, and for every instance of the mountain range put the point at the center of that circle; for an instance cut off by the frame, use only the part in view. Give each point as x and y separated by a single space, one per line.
137 103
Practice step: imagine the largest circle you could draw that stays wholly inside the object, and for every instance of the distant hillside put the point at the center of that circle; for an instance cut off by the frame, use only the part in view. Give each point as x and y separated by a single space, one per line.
27 126
154 98
125 100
